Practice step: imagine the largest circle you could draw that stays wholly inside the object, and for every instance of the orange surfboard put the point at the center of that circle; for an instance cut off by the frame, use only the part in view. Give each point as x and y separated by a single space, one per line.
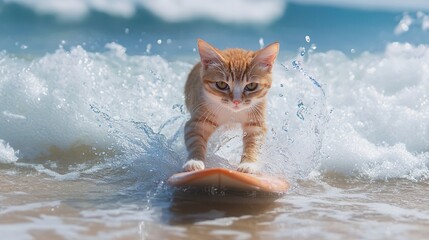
229 179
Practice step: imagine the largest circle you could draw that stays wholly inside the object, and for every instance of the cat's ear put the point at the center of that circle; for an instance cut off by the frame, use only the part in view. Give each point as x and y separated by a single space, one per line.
210 56
265 57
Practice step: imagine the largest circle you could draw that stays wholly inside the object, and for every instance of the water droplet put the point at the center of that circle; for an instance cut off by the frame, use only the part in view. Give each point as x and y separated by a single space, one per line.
23 46
169 41
148 48
280 95
261 43
284 66
194 49
159 41
313 46
302 51
281 85
285 126
127 30
296 64
352 50
307 38
180 107
301 109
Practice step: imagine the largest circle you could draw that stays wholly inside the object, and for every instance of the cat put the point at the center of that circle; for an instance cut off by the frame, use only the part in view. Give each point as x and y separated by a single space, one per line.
228 86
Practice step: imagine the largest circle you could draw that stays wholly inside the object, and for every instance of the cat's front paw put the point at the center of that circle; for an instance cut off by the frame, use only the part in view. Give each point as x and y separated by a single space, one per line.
247 167
193 165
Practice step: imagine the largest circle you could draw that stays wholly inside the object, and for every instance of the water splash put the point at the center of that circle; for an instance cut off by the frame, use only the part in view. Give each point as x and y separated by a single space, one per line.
404 25
261 43
131 106
302 51
297 66
407 21
301 110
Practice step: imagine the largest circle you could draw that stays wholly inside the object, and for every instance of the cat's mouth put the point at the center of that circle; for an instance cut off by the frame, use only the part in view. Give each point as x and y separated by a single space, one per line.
238 108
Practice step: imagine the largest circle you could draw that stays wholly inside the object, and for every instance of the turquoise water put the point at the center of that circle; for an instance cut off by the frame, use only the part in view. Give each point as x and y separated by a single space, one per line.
92 115
329 28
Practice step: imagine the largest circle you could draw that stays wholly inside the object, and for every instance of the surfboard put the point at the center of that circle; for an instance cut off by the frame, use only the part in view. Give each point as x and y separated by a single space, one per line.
229 180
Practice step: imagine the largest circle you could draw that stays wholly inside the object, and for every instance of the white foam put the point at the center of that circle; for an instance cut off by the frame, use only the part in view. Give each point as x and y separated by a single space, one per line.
117 49
68 9
62 96
77 9
372 121
7 153
225 11
379 124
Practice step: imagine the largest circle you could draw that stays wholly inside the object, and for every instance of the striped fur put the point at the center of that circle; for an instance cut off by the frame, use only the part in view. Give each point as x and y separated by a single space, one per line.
210 106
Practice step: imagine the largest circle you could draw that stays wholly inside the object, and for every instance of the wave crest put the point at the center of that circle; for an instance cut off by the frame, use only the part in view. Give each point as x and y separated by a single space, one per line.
224 11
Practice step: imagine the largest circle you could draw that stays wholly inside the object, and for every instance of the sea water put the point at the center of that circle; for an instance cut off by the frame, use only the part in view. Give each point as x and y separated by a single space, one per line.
92 114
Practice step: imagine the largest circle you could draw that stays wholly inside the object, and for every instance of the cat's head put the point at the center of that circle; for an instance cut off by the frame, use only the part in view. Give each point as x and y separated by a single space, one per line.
236 78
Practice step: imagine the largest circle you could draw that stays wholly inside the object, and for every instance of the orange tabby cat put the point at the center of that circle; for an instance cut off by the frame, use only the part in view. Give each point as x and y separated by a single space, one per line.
228 86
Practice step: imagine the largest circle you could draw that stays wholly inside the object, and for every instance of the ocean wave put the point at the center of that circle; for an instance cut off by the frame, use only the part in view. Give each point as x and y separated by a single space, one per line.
379 122
363 116
372 5
224 11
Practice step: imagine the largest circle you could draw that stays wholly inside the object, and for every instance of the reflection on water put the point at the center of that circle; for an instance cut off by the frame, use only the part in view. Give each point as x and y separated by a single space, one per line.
189 207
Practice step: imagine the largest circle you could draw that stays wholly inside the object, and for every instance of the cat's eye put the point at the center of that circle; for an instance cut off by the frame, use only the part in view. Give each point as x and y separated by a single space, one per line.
222 85
251 87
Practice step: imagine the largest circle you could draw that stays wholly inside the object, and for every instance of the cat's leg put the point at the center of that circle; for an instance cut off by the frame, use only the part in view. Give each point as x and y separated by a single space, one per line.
253 139
197 133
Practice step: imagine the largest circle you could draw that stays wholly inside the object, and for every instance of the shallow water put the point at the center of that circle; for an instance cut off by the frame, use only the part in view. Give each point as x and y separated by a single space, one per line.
91 127
35 206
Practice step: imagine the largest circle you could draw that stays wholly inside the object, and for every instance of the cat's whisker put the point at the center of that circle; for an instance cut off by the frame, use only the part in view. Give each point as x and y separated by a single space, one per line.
258 113
199 106
257 116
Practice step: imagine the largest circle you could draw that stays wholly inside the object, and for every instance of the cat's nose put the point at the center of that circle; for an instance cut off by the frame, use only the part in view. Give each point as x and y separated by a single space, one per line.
236 102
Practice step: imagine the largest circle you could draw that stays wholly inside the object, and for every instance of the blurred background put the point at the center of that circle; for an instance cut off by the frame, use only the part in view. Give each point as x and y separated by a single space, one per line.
170 27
